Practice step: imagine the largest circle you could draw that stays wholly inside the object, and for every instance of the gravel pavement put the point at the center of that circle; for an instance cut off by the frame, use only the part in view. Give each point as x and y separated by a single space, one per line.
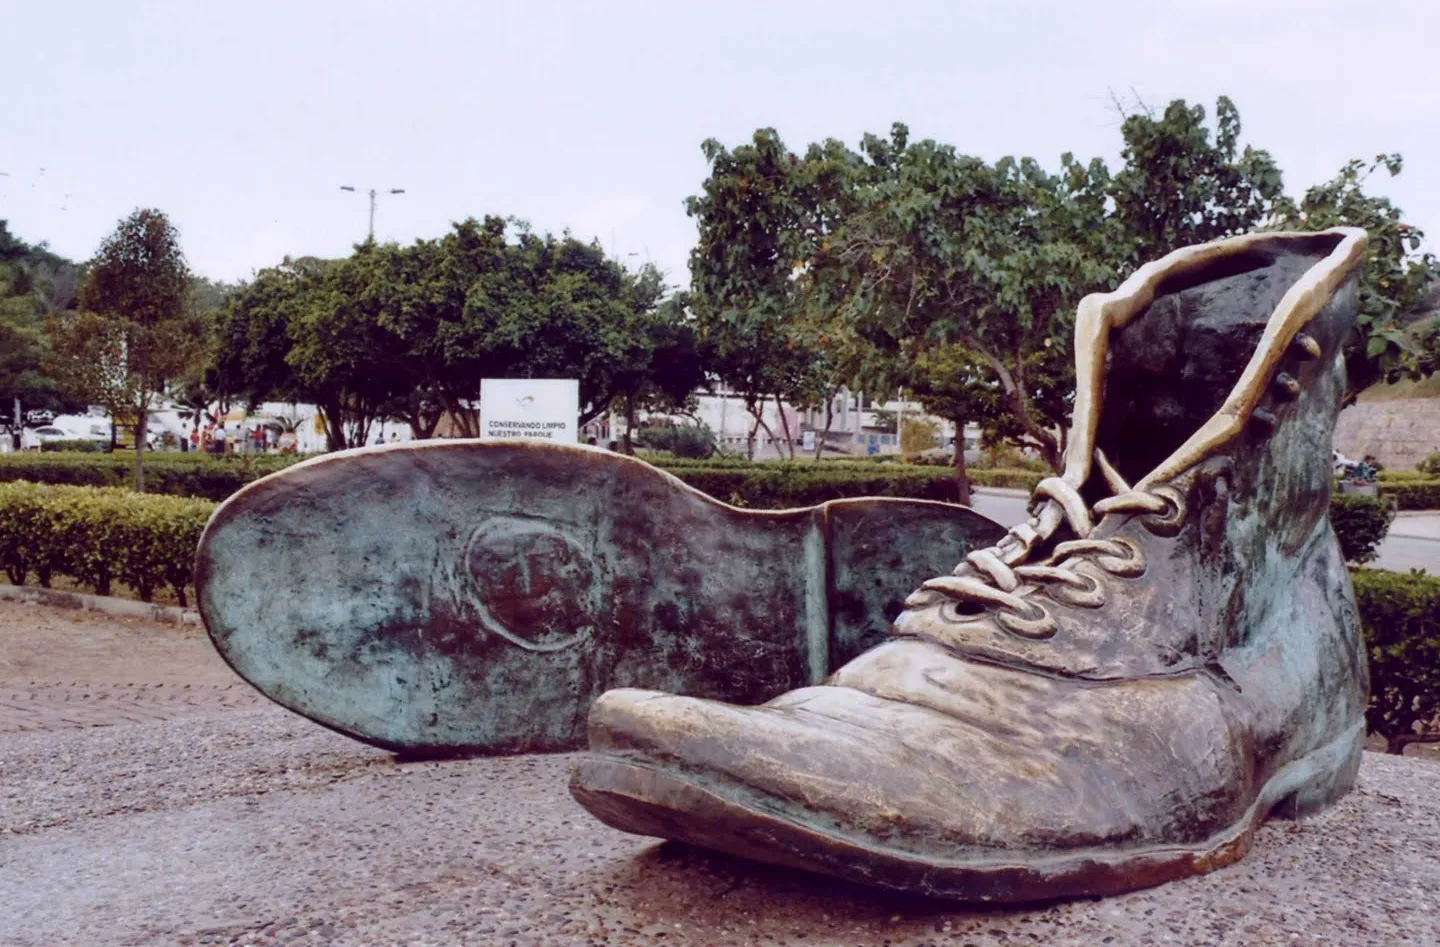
256 827
231 821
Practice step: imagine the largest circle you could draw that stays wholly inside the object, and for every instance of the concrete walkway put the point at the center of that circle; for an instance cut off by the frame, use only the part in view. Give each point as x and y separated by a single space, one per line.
231 824
1417 524
256 827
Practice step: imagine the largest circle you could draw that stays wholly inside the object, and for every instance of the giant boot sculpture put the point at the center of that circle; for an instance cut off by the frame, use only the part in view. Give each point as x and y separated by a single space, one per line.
470 596
1122 689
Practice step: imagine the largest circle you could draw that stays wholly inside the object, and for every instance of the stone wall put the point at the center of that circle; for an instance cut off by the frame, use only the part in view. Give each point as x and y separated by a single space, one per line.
1399 433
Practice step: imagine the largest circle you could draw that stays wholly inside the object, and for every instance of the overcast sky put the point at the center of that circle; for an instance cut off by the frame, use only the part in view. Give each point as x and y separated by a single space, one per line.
242 119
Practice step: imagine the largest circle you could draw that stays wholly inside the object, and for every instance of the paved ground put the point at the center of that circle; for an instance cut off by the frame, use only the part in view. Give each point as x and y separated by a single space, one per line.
63 669
248 825
1413 542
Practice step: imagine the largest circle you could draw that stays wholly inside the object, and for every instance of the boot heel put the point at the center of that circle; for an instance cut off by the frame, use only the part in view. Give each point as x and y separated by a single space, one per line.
1325 776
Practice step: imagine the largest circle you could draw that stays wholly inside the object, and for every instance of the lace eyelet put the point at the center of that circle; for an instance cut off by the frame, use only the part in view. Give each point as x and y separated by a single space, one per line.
1037 628
1166 524
1087 594
960 612
1126 567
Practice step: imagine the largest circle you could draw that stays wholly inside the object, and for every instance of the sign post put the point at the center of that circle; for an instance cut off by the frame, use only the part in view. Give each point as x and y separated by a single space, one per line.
547 409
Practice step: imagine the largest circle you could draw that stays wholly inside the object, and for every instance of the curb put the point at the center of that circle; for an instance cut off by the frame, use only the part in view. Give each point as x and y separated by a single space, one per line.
1001 491
104 604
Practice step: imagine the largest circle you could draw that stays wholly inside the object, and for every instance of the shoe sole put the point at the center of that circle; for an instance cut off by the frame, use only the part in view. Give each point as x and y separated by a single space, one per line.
465 596
648 798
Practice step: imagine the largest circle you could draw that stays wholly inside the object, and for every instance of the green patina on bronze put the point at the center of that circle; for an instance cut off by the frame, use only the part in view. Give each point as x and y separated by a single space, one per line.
463 596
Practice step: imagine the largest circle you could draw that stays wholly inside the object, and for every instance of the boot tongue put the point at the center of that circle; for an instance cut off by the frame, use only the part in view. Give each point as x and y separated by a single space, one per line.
1172 367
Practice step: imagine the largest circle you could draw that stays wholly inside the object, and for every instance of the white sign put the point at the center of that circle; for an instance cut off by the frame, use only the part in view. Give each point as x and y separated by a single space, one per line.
807 441
544 408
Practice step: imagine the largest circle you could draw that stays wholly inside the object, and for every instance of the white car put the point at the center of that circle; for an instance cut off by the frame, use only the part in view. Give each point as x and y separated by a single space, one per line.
35 436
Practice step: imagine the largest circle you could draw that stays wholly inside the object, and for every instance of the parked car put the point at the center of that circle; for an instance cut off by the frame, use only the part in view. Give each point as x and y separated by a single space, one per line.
36 436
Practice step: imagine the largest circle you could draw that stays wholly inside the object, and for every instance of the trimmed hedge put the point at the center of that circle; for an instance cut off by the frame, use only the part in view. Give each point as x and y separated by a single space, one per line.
1360 524
100 535
1413 494
1401 615
74 447
185 475
1402 476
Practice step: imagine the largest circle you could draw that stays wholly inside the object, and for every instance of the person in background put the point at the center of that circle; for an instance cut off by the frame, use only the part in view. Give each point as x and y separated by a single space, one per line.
380 441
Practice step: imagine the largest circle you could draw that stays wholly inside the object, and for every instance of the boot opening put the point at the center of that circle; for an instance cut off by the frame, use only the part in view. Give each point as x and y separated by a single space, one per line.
1170 369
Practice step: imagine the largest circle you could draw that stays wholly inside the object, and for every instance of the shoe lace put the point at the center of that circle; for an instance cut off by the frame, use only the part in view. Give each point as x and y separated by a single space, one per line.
994 577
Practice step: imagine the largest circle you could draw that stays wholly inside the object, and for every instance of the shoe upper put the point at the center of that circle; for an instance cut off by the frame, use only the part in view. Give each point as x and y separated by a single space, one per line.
1172 587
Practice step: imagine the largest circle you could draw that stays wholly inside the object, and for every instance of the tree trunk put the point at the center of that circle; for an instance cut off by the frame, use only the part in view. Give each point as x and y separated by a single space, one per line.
962 476
595 410
142 424
1019 405
829 419
629 445
750 441
785 427
334 426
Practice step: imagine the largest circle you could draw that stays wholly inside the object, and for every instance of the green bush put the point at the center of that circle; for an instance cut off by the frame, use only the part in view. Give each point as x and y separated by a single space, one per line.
1402 476
175 474
689 441
1430 466
1360 524
76 446
1413 494
100 535
1001 478
1401 616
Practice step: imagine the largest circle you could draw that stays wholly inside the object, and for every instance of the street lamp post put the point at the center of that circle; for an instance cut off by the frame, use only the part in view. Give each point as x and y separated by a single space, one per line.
373 192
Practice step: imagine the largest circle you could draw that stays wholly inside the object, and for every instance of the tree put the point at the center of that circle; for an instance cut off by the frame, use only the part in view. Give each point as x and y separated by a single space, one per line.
761 214
1396 276
34 283
896 264
306 331
135 330
950 382
951 251
1178 188
407 332
664 365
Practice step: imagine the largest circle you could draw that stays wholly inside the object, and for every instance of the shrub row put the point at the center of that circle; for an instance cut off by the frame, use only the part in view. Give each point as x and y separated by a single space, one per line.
776 486
766 484
1360 524
1401 615
1413 494
1397 476
100 535
186 475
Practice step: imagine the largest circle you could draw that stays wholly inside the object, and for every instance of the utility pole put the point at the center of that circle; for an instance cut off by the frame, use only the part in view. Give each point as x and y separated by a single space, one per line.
394 190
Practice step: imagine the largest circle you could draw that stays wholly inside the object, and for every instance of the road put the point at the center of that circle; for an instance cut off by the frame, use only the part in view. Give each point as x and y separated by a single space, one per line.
1413 543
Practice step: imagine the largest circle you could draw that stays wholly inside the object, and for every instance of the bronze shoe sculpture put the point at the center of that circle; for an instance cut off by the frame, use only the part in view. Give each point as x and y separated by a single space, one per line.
1121 690
468 596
